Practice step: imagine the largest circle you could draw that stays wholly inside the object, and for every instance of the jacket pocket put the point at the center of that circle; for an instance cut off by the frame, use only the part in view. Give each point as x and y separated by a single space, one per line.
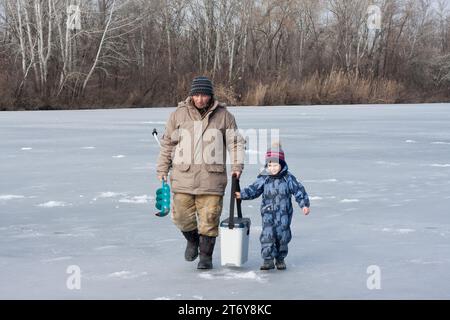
183 167
217 168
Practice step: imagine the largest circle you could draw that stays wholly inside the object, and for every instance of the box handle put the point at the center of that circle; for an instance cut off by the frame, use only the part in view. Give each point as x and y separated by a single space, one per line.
235 187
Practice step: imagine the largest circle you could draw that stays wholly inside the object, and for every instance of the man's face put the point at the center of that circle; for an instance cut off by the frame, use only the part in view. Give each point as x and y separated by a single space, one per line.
201 100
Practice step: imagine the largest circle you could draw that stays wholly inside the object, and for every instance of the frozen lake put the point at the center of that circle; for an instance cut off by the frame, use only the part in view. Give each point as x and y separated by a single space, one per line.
77 189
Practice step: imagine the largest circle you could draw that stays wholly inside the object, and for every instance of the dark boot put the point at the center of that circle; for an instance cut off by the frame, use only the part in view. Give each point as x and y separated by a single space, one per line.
281 265
192 238
267 265
206 252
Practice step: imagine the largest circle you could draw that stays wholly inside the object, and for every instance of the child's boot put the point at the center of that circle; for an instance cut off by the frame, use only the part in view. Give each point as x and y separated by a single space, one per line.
281 265
267 265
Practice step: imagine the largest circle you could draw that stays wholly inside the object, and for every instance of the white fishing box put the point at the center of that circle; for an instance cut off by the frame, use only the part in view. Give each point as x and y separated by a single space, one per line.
234 242
234 233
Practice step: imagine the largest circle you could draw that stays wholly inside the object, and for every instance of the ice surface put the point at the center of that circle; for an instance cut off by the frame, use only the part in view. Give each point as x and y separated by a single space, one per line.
77 189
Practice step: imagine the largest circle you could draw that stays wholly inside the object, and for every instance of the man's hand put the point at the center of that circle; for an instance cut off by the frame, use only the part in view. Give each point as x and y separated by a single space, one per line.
236 173
237 195
306 210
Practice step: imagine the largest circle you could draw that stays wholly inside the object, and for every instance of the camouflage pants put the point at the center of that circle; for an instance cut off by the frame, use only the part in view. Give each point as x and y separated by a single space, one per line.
202 212
276 234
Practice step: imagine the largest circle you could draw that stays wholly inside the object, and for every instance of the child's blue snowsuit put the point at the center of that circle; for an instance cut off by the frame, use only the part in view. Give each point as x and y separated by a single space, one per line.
276 209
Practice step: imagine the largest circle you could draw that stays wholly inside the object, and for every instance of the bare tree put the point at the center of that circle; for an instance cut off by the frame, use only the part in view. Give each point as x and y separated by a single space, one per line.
133 51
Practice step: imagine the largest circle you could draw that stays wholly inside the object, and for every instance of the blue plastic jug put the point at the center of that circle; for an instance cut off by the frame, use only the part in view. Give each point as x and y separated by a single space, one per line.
163 200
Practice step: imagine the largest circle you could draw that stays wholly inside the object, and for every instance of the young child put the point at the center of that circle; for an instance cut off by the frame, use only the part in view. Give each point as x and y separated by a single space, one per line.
276 184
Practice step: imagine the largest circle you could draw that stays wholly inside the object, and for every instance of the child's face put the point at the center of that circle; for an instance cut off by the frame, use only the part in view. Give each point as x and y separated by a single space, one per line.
273 167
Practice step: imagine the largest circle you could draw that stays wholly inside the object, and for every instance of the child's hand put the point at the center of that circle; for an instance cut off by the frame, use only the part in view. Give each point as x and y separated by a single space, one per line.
306 210
237 195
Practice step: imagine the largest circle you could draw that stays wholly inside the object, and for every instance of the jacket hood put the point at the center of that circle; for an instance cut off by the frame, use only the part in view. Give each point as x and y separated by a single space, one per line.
188 103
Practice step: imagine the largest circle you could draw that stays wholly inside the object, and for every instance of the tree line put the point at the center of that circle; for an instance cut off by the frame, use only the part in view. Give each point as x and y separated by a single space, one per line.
140 53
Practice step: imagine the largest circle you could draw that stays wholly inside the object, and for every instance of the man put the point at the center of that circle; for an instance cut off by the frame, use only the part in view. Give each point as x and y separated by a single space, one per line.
198 134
